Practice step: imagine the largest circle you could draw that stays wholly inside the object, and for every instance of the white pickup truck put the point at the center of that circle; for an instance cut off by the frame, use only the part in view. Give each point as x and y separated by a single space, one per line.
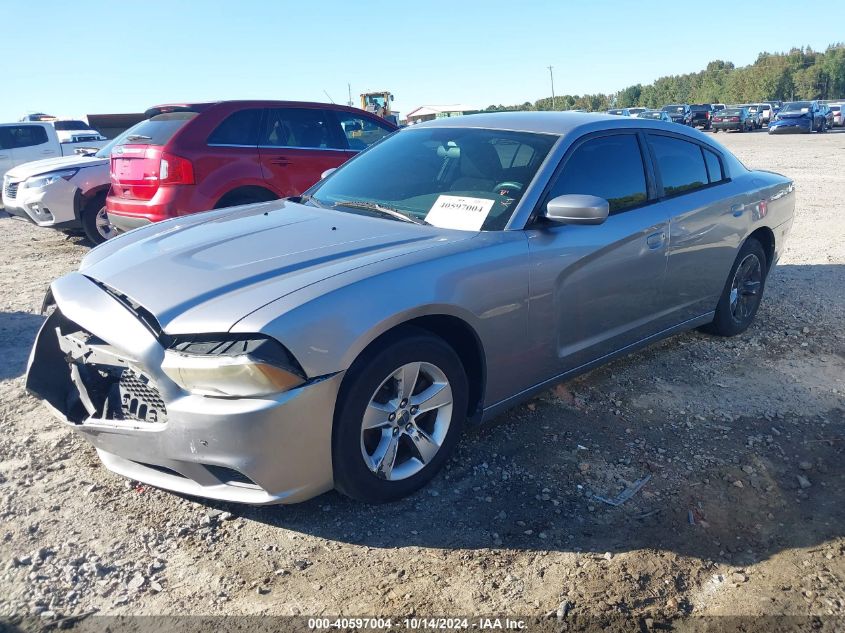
35 140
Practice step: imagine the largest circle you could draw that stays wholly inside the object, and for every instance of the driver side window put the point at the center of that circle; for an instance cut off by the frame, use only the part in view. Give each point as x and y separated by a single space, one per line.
610 167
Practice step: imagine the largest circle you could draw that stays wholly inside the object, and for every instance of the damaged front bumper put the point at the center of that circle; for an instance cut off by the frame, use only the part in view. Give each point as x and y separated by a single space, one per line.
98 367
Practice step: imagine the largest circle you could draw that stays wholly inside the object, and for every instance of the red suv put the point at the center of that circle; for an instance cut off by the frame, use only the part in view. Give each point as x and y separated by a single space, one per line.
189 158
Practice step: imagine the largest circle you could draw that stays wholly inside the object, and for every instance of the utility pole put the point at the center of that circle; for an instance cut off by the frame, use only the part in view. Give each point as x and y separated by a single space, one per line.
349 87
552 77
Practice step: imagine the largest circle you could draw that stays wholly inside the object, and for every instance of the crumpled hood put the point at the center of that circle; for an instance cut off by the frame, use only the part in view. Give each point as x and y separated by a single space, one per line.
203 273
36 167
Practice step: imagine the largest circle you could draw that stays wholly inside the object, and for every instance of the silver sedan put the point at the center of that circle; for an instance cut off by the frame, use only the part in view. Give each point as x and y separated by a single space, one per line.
343 339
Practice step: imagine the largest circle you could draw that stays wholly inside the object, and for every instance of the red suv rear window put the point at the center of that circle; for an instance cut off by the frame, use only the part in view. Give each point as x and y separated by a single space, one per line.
159 129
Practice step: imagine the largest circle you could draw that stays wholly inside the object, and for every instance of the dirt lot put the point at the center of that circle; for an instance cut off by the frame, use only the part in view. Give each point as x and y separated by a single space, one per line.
743 440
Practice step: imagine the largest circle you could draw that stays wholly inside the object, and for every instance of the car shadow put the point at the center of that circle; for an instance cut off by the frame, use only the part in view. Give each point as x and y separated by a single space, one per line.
17 333
741 442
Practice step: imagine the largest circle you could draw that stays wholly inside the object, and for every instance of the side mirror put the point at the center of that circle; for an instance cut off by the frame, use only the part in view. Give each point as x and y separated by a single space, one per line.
577 208
327 173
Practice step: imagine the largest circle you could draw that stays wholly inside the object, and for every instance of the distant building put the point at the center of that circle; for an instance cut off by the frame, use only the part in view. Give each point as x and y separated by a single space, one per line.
431 112
111 125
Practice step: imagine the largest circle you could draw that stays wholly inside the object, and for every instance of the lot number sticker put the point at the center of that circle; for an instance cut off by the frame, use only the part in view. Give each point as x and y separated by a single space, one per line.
457 212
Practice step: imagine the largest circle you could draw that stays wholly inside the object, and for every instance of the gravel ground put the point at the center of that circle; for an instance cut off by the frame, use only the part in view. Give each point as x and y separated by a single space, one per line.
742 439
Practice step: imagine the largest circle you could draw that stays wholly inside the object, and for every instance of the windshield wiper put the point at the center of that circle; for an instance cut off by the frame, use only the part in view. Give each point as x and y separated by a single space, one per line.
139 137
380 208
307 200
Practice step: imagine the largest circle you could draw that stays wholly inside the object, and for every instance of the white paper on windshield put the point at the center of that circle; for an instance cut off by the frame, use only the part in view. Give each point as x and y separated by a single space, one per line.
458 212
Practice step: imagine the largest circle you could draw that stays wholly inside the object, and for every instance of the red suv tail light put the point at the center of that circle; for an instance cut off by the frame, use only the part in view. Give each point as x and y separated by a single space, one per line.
175 170
138 171
735 119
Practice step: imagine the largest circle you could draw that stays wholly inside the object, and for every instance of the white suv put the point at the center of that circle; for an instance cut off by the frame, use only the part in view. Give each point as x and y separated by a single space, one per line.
64 193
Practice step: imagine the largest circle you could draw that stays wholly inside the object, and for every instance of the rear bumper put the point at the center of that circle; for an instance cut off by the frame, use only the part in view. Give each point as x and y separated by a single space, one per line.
727 126
125 223
248 450
167 202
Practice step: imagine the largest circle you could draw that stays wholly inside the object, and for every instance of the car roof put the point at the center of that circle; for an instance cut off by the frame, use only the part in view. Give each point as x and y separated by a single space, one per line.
559 123
255 103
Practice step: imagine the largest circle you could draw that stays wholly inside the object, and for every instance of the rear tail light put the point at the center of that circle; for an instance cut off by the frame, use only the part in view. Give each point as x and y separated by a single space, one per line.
138 173
735 119
175 170
708 116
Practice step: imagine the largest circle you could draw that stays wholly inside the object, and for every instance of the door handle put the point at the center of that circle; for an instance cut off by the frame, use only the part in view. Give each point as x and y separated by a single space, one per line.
656 240
47 151
737 210
281 161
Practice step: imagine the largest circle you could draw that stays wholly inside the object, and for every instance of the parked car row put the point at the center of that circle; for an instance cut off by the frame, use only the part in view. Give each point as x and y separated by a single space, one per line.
797 116
344 337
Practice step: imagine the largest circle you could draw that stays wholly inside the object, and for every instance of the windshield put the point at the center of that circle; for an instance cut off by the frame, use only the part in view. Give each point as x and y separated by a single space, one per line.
159 129
797 106
105 150
731 112
674 108
467 179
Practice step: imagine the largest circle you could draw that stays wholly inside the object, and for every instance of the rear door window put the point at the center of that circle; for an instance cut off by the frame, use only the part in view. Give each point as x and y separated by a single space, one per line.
160 129
610 167
361 132
27 135
680 163
239 128
304 128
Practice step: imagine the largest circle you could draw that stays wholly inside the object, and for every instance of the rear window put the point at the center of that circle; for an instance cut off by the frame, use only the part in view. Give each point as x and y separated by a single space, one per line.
700 108
159 129
673 108
731 112
65 126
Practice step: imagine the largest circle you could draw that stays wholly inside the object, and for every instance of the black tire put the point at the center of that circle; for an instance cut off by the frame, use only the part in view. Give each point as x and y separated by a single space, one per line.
94 232
823 127
730 319
715 130
352 475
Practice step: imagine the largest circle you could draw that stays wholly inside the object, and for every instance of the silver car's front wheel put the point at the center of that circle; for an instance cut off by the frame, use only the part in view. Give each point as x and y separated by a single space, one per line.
399 415
406 421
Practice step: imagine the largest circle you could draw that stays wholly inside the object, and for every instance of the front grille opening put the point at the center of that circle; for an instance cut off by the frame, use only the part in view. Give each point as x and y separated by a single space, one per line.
139 398
230 476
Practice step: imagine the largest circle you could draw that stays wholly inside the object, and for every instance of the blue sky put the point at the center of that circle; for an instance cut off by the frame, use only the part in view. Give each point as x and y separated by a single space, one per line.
74 58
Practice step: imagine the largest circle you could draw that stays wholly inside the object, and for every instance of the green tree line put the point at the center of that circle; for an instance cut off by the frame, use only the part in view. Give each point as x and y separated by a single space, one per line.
802 73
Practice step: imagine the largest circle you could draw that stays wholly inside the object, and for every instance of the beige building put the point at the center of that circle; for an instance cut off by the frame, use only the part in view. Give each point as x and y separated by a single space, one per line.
431 112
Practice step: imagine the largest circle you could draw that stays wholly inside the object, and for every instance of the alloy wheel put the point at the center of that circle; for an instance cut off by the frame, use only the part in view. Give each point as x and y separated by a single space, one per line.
745 288
104 227
406 421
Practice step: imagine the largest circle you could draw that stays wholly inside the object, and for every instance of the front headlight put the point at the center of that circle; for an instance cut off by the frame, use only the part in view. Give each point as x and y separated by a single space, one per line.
231 366
42 180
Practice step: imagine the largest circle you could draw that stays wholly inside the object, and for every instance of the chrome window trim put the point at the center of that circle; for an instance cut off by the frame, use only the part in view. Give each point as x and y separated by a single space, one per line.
319 149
